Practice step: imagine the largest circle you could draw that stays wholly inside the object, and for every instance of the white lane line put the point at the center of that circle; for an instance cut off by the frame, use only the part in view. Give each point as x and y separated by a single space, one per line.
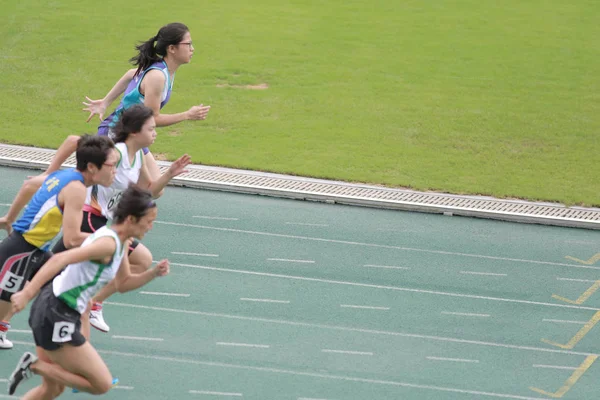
400 289
352 329
554 367
121 387
364 307
4 205
382 246
228 394
384 266
357 353
577 280
183 253
265 300
403 230
304 224
310 398
465 314
166 294
5 396
452 359
140 338
481 273
288 260
3 380
310 374
580 242
562 321
259 346
19 330
217 218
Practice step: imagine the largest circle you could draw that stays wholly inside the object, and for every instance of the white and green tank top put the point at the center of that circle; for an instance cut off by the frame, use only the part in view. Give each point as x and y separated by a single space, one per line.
79 282
105 199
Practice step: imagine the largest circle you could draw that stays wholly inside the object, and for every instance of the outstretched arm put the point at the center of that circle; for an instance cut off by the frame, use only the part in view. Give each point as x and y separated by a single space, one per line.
68 147
23 197
152 85
30 186
125 281
101 250
98 107
157 186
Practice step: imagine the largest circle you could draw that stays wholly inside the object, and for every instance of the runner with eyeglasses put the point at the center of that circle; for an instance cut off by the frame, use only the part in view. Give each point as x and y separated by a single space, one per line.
149 83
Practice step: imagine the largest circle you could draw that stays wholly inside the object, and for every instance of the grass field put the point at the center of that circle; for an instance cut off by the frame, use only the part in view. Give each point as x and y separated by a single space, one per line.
461 96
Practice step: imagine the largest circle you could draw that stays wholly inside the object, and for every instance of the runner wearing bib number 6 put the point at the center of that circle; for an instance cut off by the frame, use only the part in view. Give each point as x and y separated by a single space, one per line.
134 131
58 315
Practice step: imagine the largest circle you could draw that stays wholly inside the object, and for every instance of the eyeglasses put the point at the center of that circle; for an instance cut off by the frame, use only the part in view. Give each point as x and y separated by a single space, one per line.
190 45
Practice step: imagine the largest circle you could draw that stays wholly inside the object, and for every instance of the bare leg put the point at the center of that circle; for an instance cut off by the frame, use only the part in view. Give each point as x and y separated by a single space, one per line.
5 310
85 322
5 326
141 260
78 367
49 389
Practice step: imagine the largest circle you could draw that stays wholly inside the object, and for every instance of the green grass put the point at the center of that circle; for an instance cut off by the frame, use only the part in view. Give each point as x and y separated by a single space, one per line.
463 96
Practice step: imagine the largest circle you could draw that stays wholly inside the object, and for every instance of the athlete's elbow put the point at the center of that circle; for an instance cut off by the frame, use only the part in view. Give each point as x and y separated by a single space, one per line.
72 141
72 241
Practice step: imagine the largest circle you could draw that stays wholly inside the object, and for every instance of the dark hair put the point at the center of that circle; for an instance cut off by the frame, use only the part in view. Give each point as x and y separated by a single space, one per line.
135 202
131 121
149 52
92 149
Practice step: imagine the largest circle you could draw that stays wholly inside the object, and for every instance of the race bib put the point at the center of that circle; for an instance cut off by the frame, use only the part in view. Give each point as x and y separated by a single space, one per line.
11 282
112 203
63 331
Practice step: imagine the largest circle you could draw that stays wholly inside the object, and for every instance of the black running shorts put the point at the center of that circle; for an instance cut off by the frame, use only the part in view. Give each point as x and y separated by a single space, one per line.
53 323
19 261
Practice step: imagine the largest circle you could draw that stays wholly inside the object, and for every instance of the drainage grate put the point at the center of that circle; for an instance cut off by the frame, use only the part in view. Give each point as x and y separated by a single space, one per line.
345 193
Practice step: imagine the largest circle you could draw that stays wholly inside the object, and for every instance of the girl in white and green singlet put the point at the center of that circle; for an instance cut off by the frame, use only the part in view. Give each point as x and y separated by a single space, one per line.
134 131
59 313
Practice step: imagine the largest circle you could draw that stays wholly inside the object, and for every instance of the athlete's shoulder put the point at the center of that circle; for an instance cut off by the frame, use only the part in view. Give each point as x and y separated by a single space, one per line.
155 74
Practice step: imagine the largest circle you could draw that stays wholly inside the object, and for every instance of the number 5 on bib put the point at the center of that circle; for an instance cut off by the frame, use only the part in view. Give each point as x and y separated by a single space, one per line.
11 282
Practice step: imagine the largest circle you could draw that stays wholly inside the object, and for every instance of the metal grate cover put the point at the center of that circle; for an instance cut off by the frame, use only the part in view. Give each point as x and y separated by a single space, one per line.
226 179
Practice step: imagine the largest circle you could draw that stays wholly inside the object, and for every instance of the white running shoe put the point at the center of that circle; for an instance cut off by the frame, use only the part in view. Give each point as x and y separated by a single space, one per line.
22 372
97 320
5 344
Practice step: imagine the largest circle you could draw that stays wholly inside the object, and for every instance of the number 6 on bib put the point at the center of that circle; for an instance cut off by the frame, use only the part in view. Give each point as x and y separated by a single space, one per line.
63 331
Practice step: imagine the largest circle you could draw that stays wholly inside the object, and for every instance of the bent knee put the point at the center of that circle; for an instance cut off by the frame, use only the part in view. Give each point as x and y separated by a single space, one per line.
140 259
57 391
101 387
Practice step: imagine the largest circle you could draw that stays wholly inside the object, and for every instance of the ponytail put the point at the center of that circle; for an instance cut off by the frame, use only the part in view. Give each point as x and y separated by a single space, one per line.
155 48
146 55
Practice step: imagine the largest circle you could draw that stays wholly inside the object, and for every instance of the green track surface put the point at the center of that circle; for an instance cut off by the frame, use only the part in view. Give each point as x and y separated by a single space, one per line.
344 250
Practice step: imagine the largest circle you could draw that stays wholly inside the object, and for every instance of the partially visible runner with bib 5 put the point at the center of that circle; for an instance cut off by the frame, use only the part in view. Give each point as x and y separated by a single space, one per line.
57 204
58 315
